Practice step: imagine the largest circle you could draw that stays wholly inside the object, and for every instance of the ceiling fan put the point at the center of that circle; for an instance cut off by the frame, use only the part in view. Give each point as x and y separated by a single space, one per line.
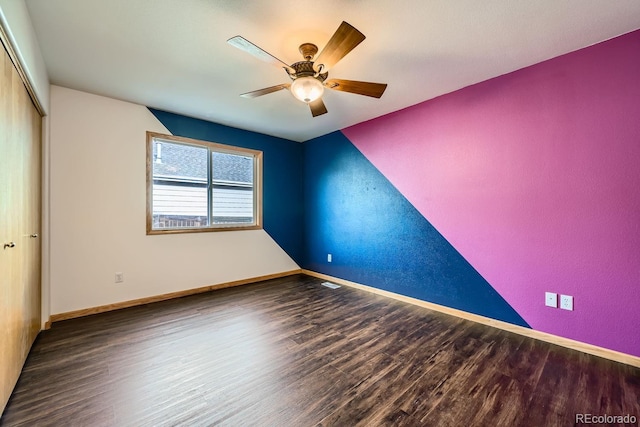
309 77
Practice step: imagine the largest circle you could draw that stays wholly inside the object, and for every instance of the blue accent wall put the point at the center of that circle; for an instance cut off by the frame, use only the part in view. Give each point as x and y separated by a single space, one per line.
282 174
376 237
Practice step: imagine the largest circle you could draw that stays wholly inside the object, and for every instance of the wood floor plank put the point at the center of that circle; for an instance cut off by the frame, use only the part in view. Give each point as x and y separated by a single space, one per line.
290 352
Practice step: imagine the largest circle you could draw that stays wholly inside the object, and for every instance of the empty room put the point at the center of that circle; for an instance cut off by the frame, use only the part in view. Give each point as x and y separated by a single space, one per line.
251 213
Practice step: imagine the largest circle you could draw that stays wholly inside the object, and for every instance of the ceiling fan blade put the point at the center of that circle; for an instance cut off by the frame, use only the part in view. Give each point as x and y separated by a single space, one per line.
317 107
374 90
265 91
342 42
244 44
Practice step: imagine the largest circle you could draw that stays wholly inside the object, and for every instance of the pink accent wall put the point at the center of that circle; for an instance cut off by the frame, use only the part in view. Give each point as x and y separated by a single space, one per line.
534 177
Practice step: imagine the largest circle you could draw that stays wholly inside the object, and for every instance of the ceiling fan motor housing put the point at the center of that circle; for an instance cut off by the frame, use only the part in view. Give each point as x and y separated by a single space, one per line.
305 69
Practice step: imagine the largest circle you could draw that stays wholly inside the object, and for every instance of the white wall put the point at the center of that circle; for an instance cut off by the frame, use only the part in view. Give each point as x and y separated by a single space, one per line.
98 201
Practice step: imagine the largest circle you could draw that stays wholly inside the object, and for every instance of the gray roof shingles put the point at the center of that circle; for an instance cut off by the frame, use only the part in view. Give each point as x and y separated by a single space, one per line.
190 162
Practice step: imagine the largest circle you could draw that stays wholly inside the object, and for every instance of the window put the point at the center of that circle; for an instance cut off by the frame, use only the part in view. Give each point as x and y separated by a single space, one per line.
195 186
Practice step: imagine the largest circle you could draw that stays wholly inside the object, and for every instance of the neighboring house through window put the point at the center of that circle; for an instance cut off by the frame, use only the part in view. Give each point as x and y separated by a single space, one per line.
201 186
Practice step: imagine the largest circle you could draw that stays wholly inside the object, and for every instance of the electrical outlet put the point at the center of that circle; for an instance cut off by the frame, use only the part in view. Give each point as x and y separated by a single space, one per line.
119 277
566 302
551 299
329 257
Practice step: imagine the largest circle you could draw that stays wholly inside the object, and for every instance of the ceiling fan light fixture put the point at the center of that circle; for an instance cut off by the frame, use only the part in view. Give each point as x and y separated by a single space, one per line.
309 77
307 89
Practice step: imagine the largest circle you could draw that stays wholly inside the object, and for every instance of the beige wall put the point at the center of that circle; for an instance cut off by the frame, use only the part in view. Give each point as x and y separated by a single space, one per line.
97 215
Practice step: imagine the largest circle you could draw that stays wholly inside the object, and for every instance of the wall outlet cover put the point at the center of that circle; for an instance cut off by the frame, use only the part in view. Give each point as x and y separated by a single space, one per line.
566 302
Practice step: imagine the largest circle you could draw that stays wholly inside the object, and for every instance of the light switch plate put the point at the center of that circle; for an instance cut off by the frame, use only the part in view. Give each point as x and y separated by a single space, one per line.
551 299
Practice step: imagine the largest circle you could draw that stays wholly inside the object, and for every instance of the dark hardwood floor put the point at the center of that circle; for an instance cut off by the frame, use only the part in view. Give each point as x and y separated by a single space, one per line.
290 352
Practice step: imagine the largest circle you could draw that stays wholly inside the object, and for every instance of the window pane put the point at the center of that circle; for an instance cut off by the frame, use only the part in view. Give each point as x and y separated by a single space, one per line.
232 182
196 186
179 185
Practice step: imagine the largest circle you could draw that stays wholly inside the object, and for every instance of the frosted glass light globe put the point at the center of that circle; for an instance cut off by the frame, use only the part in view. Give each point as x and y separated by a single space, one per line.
307 89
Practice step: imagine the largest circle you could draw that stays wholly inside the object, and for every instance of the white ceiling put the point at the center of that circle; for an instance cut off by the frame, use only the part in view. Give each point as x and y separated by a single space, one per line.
173 55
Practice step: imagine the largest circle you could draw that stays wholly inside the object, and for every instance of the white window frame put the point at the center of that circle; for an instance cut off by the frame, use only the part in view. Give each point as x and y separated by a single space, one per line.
154 137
